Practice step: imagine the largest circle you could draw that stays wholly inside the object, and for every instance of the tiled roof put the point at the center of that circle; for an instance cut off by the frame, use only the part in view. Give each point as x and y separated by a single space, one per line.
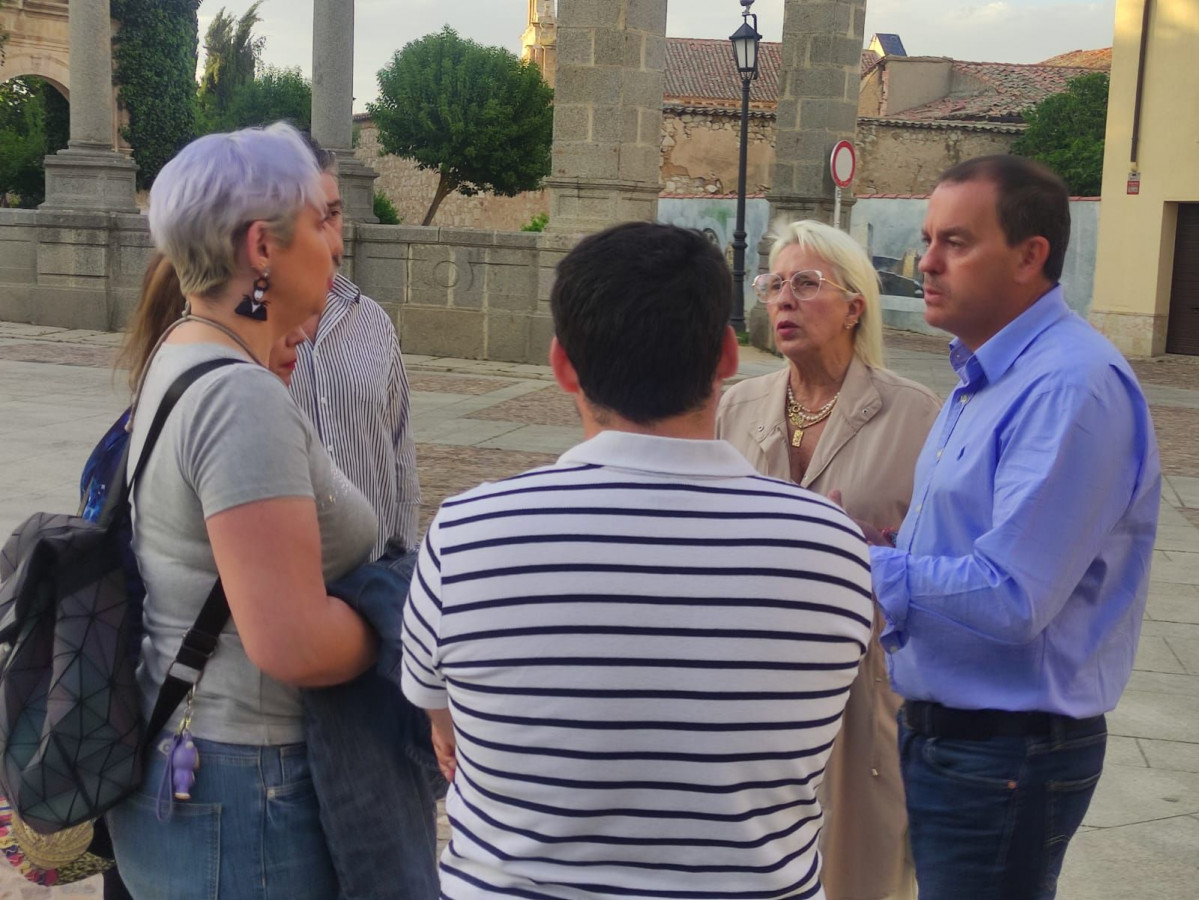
699 69
903 121
702 71
1007 90
1085 59
891 44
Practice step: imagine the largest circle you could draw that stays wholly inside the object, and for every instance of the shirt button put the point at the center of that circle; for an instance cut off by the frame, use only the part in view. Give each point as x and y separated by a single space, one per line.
918 507
965 398
939 452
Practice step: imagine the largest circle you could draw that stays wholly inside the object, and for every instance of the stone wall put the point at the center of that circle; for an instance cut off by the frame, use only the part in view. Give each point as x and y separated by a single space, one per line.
71 269
701 148
411 190
906 158
451 291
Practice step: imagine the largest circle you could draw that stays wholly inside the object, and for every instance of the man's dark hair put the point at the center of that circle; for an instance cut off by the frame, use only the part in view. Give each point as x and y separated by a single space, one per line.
641 311
326 160
1033 201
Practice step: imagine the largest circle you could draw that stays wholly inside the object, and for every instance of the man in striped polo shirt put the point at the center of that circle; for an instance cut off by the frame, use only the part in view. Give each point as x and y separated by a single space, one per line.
350 381
636 659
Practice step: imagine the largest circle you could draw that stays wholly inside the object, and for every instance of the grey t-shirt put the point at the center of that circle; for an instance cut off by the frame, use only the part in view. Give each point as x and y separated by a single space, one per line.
235 437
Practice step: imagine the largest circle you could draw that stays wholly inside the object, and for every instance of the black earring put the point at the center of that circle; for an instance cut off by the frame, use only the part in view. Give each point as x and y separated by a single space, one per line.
253 305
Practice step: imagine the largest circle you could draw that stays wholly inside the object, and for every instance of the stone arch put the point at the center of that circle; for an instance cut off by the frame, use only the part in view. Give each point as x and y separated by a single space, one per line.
39 44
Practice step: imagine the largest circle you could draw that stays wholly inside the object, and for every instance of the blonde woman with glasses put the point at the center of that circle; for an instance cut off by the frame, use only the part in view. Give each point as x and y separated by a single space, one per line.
835 421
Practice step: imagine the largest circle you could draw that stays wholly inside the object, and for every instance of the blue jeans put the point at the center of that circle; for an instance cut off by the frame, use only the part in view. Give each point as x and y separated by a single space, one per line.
991 819
377 805
250 832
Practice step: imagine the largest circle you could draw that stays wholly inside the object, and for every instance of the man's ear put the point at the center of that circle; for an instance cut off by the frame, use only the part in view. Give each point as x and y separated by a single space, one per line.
730 355
1033 253
564 370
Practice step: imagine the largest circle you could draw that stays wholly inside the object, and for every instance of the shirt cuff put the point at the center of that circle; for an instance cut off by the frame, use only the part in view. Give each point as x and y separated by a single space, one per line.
889 574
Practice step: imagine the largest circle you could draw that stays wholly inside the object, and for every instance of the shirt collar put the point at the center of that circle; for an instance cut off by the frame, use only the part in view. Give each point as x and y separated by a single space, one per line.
996 356
649 453
345 290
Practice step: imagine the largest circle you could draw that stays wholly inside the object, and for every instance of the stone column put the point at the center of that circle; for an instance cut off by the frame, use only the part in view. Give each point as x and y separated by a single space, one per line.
818 104
607 113
333 103
89 174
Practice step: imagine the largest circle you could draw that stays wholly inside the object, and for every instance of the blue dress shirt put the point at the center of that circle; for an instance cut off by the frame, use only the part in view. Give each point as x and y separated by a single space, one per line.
1019 577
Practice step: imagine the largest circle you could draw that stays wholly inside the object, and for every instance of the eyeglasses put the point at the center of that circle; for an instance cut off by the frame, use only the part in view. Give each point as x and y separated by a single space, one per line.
805 285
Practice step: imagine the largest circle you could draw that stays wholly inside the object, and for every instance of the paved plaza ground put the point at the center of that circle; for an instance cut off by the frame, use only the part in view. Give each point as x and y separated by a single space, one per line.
476 421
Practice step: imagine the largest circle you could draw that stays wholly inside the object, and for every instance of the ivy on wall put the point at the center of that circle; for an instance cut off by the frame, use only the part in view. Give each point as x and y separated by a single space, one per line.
154 57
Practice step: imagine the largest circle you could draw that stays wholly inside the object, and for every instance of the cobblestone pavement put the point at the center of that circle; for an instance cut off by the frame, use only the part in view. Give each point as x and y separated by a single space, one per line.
478 421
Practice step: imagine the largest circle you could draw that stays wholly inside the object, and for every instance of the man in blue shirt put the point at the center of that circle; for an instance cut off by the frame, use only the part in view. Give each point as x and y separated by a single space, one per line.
1014 591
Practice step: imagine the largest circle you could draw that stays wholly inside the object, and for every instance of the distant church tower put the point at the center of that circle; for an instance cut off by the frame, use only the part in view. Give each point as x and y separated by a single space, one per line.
539 44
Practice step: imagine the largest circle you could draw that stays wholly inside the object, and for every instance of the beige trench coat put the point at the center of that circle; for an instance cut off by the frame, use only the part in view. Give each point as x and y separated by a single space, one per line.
868 452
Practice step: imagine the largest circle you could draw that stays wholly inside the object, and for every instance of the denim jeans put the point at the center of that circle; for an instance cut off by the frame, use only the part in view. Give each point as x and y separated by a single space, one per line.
377 805
250 832
991 819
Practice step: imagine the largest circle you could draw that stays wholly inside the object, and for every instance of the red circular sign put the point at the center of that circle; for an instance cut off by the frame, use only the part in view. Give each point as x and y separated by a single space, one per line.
843 163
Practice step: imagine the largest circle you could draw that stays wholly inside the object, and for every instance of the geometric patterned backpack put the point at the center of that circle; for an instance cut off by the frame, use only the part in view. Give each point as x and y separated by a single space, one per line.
71 726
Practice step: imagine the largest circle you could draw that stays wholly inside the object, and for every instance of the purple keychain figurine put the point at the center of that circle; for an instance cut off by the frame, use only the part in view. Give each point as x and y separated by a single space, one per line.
183 761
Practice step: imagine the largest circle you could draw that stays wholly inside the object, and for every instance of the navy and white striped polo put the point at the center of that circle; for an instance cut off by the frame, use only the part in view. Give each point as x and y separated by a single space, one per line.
646 649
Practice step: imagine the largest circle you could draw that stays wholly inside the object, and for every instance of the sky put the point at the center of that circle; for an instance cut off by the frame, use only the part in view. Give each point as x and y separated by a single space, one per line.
1019 31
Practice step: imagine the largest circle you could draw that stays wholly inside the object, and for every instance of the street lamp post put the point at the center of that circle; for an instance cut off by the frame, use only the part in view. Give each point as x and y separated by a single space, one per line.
745 51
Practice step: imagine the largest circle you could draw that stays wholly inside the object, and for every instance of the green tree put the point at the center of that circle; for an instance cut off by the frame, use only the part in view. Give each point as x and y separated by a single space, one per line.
385 210
33 123
1066 130
272 95
154 56
476 115
231 57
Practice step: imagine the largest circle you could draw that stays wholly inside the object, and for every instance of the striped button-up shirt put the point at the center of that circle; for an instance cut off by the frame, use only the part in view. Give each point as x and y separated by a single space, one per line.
351 382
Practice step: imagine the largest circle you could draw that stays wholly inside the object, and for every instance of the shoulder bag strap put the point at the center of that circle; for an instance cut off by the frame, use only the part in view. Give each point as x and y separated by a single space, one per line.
201 639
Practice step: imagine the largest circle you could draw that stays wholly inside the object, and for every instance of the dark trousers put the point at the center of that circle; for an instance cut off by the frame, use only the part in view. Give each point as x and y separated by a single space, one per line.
990 818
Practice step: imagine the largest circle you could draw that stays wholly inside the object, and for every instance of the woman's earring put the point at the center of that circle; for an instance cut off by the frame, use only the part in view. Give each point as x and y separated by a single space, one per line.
253 304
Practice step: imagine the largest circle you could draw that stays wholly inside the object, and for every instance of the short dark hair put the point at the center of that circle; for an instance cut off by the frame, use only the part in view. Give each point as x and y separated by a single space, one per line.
326 160
641 311
1033 201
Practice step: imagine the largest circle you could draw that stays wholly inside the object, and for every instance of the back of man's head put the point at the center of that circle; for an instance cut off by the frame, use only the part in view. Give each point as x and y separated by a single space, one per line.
1033 201
641 311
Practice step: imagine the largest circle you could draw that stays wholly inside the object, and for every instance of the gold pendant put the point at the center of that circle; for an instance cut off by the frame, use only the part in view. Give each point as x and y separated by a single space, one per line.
797 437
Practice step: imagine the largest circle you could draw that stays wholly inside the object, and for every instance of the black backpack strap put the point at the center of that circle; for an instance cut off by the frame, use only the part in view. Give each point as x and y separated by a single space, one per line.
201 639
198 645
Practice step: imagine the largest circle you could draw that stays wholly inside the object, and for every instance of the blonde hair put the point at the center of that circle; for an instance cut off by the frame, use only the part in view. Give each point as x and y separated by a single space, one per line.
160 304
852 269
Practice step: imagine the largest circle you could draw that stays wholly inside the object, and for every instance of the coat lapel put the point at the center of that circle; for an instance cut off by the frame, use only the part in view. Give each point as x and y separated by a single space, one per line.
860 402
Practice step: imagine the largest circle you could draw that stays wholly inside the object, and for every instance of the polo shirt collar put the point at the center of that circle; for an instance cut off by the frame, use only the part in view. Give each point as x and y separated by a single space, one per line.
997 355
649 453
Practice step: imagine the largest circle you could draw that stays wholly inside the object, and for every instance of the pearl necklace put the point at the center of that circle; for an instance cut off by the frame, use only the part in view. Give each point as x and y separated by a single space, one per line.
802 418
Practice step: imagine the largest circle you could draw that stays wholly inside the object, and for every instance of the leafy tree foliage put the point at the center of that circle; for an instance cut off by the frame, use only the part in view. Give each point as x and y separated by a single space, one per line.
385 210
231 57
476 115
154 57
272 95
33 123
1066 131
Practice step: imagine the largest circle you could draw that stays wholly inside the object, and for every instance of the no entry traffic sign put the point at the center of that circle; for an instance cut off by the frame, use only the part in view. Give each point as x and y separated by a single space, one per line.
843 163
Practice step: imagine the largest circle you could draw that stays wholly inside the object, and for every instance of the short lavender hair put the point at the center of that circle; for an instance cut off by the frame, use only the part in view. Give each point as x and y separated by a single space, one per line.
205 198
